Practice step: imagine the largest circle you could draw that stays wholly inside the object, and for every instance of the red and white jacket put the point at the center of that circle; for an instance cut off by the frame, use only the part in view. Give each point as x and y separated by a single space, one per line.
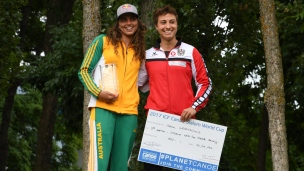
169 76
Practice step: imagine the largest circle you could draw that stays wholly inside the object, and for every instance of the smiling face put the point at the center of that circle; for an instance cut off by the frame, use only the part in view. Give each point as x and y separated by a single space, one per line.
167 26
128 24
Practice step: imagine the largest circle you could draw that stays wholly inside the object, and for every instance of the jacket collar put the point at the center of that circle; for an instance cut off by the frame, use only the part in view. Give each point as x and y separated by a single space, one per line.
157 44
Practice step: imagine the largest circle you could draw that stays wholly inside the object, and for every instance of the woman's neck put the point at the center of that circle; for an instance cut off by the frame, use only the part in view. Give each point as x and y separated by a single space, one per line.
127 40
168 45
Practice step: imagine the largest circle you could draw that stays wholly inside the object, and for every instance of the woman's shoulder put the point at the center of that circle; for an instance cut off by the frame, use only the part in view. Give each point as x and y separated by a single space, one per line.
186 45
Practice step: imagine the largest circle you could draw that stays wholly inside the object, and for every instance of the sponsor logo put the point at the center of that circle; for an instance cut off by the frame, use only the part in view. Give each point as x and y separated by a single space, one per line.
177 63
149 156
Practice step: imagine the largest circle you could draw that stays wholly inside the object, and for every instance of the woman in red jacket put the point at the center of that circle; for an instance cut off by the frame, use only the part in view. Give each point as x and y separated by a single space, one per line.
169 69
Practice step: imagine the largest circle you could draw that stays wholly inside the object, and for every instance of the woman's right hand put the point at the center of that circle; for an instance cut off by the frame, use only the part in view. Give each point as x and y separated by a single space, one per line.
107 97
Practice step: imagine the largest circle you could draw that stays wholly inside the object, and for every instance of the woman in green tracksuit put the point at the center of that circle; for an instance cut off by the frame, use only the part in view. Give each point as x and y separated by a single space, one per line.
113 118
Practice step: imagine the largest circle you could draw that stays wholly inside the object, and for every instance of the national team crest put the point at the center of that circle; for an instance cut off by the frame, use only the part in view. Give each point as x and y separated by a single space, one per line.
180 52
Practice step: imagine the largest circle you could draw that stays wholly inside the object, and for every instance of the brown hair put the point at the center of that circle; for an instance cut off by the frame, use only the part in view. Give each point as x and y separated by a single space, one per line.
163 11
139 44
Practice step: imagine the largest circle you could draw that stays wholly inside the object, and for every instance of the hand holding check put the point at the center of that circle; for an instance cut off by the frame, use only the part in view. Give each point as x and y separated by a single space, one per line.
187 114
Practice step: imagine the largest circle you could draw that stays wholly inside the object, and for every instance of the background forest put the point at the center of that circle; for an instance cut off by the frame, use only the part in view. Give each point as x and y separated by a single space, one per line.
41 98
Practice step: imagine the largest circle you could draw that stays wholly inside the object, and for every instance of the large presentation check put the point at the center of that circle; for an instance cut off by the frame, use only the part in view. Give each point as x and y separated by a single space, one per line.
190 146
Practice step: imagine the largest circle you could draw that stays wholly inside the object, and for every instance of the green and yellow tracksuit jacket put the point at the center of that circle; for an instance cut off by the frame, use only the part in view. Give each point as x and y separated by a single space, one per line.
101 52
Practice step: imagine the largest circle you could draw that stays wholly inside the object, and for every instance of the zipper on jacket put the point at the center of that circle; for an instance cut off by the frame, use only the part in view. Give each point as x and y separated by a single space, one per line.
167 71
125 68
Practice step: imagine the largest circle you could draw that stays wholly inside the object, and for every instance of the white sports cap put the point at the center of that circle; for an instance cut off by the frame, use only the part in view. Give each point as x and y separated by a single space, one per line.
126 8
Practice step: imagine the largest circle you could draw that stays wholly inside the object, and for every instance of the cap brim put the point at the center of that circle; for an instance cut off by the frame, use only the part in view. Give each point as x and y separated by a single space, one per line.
127 13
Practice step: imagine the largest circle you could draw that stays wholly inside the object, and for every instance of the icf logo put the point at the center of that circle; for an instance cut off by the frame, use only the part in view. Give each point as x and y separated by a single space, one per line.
149 156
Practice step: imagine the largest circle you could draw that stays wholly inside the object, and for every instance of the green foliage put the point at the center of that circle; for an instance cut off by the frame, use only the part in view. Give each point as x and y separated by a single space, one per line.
227 33
23 135
66 59
10 53
65 151
57 73
23 130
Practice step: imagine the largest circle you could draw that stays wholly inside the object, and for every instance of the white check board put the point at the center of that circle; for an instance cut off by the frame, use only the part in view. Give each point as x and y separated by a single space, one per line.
190 146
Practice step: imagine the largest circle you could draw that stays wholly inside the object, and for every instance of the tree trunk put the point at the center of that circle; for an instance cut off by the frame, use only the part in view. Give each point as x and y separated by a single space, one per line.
46 132
6 119
59 13
263 141
91 29
274 95
147 8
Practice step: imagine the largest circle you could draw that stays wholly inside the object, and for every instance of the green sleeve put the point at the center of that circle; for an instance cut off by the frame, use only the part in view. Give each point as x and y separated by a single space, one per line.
89 63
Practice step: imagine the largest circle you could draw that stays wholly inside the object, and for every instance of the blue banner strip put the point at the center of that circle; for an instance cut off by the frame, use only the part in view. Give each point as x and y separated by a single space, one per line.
175 162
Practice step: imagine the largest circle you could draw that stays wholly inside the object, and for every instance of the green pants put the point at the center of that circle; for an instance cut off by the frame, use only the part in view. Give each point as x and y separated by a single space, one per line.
111 140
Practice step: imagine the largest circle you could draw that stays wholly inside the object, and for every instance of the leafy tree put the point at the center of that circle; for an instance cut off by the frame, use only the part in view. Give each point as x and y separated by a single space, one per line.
11 77
23 135
291 36
58 13
30 33
23 130
9 43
